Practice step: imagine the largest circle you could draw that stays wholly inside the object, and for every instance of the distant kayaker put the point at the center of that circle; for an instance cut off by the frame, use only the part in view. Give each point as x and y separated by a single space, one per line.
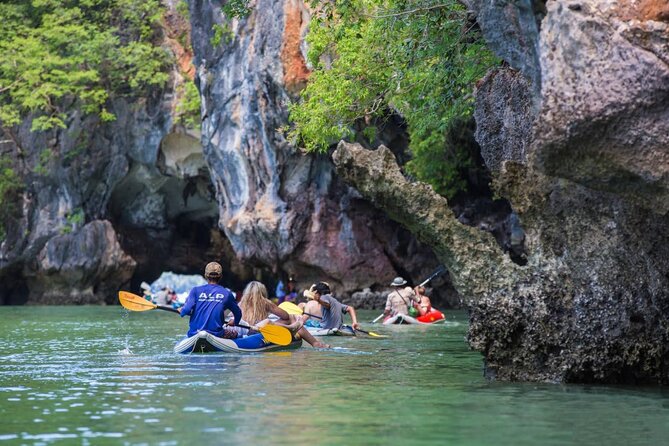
424 306
256 308
332 310
291 290
206 304
400 300
280 292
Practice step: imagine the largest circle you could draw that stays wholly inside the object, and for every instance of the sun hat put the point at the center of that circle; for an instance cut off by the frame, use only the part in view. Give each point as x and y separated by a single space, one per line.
213 269
398 281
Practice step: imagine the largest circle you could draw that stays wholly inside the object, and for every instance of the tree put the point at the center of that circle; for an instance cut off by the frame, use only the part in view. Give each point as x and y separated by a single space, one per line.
372 58
85 51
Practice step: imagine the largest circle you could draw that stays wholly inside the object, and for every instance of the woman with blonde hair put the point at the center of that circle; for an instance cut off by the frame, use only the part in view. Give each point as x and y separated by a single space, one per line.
256 308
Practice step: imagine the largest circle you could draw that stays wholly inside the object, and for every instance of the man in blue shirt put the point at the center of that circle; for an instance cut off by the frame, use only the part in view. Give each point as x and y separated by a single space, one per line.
206 304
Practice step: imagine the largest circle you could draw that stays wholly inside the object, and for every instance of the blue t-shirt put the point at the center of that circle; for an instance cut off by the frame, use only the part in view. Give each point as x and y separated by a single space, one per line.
206 305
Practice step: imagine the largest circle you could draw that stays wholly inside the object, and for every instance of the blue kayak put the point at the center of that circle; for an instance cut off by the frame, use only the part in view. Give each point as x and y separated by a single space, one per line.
204 342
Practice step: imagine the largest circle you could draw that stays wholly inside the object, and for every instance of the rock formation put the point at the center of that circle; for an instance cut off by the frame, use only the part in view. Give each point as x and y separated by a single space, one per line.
155 196
278 206
576 140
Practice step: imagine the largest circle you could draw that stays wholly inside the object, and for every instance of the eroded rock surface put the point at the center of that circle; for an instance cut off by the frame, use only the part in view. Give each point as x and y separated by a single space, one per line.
278 206
83 267
581 153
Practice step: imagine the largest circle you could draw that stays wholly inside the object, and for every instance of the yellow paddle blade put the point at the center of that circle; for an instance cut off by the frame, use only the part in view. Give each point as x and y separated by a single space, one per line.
276 334
371 333
134 302
291 308
376 335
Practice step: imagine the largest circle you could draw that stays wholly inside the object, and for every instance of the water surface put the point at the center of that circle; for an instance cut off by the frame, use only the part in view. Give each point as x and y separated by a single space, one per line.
101 375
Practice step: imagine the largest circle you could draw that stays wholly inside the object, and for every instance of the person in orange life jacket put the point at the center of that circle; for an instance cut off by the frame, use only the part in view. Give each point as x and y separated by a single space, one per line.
399 300
333 311
206 304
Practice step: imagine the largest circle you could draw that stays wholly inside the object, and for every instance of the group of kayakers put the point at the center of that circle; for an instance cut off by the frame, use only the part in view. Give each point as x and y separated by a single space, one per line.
206 306
407 301
165 296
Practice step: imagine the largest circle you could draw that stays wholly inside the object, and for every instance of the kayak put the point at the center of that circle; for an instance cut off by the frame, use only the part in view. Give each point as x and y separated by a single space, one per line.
433 317
344 330
204 342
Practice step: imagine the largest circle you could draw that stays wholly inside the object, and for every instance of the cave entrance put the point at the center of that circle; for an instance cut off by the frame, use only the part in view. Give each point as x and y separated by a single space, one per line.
166 215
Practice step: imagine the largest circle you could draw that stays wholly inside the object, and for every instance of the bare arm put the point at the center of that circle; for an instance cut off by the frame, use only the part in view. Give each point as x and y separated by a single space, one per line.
354 317
322 302
277 311
388 307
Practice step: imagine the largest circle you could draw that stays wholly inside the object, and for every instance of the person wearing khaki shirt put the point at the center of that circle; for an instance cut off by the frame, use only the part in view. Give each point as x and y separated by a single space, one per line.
399 299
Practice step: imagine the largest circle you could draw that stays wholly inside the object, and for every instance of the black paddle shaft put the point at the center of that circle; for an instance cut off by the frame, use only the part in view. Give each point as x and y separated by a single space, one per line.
162 307
437 272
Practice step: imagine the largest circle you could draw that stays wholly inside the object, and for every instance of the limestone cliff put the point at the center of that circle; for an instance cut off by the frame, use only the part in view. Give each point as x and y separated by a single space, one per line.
278 206
575 134
109 204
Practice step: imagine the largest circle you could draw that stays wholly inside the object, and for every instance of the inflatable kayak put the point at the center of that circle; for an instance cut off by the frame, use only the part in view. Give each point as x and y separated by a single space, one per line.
203 342
344 330
433 317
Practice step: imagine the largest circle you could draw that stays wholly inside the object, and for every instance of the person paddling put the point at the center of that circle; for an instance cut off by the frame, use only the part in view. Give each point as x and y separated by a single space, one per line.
206 304
399 300
333 311
425 305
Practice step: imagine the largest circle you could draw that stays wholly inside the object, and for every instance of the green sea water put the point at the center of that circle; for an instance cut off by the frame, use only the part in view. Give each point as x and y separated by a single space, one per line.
101 375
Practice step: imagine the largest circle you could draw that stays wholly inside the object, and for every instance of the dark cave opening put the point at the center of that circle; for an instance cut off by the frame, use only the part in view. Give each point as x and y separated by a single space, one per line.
13 289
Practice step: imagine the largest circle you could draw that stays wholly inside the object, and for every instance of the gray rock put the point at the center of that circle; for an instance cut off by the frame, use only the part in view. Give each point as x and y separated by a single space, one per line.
86 266
279 207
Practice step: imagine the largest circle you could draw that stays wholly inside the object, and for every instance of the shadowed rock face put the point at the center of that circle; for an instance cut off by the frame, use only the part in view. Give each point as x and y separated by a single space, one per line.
69 176
60 246
278 206
582 157
167 193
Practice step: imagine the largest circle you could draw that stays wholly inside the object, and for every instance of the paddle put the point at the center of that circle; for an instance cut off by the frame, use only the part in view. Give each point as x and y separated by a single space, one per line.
291 308
440 270
134 302
272 333
371 333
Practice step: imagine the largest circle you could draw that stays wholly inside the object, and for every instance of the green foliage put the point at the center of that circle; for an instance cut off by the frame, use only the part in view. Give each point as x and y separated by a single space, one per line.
188 109
221 33
375 57
236 8
83 50
182 9
10 188
73 220
45 157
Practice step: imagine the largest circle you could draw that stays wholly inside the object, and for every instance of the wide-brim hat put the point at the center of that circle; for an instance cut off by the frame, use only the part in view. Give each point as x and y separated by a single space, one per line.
398 281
